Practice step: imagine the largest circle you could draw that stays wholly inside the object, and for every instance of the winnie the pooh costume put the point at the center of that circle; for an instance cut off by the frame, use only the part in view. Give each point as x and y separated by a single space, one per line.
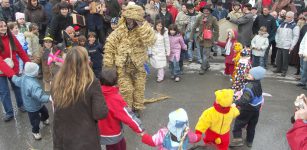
215 121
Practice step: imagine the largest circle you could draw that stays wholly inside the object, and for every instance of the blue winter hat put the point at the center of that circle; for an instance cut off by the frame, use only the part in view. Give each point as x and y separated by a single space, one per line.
257 72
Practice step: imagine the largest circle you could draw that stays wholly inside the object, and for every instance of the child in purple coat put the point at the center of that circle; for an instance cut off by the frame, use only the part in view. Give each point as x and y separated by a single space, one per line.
177 44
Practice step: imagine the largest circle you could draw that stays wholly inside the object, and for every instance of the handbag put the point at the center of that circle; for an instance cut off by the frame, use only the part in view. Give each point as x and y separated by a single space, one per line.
207 34
9 61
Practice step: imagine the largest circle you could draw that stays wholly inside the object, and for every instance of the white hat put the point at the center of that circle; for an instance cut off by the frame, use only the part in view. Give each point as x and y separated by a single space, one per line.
19 15
31 69
178 121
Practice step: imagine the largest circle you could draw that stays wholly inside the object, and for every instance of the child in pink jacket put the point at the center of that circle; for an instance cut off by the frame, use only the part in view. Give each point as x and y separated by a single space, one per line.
176 135
177 44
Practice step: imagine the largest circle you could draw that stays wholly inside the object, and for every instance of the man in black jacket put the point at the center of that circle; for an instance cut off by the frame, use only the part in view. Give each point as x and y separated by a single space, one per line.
270 23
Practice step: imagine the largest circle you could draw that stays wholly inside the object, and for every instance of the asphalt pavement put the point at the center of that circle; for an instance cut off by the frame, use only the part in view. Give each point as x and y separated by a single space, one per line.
194 93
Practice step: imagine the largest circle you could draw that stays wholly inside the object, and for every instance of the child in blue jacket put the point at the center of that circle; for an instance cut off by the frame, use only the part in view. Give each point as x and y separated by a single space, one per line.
33 97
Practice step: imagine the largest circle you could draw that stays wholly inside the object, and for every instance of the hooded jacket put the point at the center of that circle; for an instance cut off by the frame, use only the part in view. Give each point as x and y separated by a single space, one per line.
32 94
111 127
176 45
261 43
229 58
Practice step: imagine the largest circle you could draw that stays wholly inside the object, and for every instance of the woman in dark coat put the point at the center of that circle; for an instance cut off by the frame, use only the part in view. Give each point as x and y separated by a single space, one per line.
35 13
78 104
60 21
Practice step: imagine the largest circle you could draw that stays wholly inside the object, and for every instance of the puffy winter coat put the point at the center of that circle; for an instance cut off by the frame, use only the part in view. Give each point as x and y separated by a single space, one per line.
296 136
37 15
33 95
176 45
167 19
260 43
160 50
287 35
33 43
111 127
173 11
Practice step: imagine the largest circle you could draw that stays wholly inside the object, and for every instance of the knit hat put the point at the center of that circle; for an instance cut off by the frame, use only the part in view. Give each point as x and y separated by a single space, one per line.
31 69
134 12
19 15
178 121
257 72
224 97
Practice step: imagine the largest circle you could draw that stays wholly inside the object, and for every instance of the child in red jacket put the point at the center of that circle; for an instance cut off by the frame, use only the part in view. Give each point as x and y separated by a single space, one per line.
230 53
111 129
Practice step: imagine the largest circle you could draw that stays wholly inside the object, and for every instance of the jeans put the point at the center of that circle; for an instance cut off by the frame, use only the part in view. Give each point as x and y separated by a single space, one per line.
282 60
303 70
249 118
190 47
5 95
258 61
174 67
182 57
37 117
205 51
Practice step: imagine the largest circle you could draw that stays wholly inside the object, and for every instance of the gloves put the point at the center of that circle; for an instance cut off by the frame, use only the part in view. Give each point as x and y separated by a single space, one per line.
228 18
149 55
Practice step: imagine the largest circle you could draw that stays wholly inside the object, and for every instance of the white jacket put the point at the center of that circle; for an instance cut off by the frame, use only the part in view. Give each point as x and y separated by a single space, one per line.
286 37
261 43
303 47
160 50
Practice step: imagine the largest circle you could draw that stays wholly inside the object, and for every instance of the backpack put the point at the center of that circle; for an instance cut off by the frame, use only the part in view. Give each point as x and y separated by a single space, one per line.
256 100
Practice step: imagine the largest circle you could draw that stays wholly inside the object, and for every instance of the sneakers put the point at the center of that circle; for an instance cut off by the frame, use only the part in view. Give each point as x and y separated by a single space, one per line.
37 136
177 79
8 118
249 144
46 122
236 142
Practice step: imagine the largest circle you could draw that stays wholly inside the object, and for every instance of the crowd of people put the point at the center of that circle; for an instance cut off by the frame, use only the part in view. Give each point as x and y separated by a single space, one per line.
86 52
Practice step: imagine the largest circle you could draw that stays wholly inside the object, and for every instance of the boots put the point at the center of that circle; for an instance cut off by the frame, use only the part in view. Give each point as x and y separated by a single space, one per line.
236 142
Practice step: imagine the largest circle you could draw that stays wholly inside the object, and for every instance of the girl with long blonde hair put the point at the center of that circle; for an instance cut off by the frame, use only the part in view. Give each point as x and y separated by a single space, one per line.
78 103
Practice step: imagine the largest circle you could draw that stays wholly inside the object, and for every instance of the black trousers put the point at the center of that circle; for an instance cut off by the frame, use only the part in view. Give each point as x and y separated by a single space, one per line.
249 118
282 60
274 52
182 57
37 117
